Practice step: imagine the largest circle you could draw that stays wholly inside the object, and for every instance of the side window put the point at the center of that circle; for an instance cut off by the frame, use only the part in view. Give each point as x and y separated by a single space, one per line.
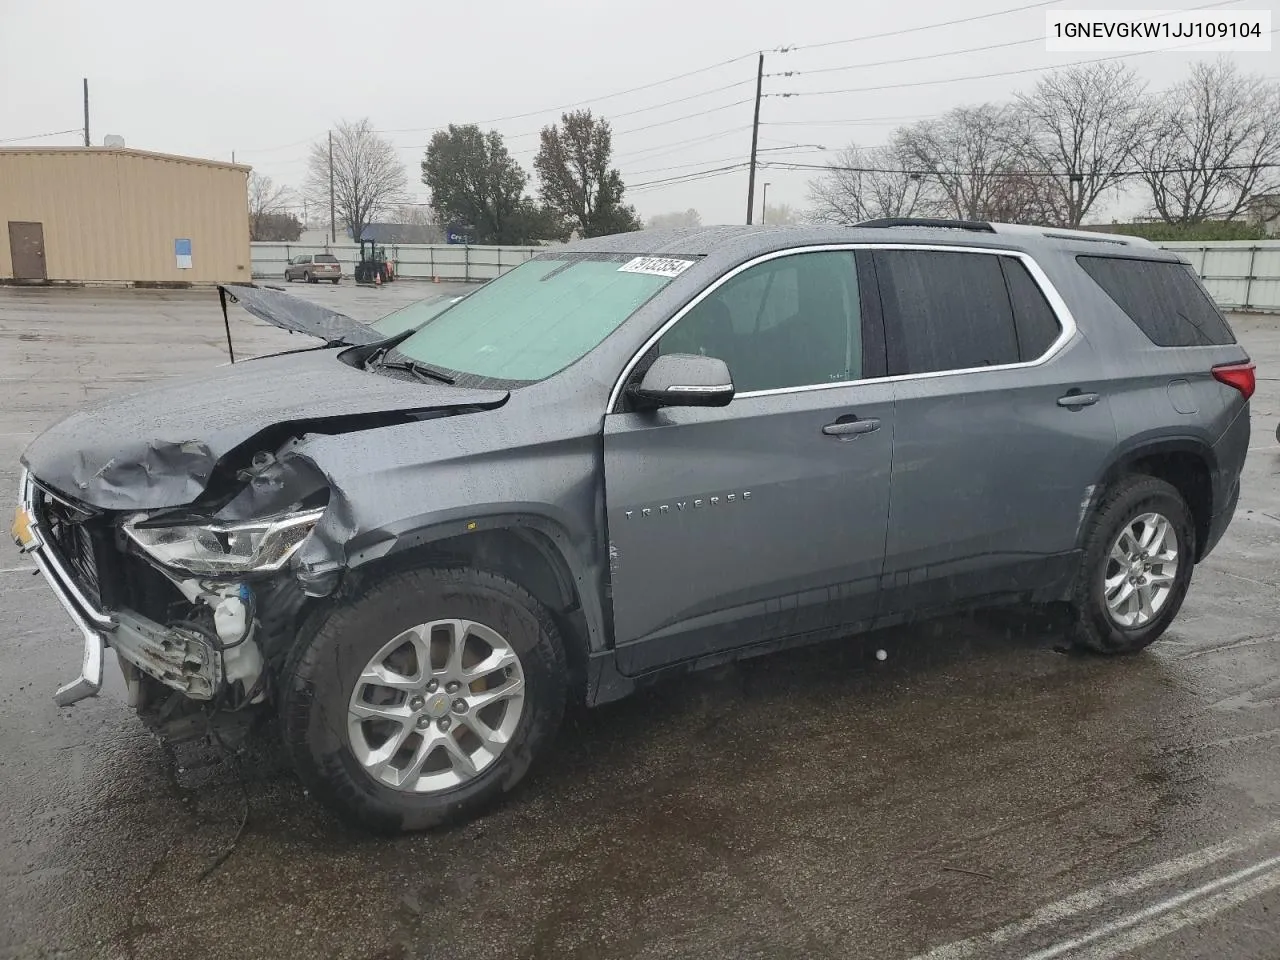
306 259
792 321
945 311
1162 298
1037 325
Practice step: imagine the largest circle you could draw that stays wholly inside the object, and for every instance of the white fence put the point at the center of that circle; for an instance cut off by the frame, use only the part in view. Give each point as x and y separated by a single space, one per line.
412 260
1240 274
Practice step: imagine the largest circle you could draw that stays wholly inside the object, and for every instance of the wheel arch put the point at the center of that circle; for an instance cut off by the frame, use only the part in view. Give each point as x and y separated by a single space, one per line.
530 550
1188 464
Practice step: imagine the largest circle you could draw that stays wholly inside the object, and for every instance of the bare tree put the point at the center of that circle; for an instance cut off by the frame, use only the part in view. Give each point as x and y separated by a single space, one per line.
1081 127
416 214
865 185
1215 146
266 201
970 160
781 215
678 218
368 177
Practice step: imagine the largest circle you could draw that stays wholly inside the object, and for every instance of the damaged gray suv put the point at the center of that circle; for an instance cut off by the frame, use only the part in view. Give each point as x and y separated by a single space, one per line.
629 456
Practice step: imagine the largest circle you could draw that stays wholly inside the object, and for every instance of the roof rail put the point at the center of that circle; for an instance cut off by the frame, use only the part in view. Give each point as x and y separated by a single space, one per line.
1064 233
979 225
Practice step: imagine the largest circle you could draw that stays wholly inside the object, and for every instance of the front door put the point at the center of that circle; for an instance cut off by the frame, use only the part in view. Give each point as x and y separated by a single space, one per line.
26 249
992 468
766 518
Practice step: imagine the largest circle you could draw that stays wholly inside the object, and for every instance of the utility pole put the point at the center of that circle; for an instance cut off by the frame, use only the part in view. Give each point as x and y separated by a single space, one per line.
755 137
86 111
333 229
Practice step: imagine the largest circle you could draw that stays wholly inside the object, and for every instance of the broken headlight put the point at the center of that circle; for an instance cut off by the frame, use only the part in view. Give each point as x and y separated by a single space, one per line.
214 549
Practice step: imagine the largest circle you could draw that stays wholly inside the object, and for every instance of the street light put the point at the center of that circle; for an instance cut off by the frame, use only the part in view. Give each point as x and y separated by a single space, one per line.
764 205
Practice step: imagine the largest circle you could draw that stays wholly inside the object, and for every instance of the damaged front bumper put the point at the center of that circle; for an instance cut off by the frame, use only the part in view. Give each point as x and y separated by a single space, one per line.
93 624
178 661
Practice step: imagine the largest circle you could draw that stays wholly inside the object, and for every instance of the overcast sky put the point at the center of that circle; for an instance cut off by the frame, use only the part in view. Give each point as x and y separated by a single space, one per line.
263 78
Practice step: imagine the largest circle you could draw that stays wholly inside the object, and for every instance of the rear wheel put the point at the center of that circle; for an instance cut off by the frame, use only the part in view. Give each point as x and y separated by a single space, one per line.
1139 552
424 699
306 275
334 281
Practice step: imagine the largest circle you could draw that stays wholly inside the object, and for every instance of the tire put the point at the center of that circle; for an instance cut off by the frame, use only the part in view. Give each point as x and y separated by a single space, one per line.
334 282
321 674
307 277
287 278
1094 627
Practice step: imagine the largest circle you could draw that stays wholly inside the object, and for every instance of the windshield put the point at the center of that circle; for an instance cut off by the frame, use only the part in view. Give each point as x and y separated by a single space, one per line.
540 317
414 315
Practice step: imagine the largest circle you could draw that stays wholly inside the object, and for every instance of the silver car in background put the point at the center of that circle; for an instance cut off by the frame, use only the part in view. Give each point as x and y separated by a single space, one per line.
313 268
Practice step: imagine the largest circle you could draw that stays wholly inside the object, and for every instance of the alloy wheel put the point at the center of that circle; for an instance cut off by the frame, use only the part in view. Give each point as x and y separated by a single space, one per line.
436 706
1140 570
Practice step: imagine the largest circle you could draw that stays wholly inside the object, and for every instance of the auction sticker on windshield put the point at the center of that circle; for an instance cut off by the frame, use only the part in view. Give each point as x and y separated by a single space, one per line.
657 266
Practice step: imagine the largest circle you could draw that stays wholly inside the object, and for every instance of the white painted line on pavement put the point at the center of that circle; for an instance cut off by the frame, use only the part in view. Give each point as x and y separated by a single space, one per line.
1094 897
1155 910
1162 927
18 570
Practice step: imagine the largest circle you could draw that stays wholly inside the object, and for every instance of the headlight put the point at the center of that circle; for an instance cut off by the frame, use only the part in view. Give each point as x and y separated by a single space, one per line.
211 549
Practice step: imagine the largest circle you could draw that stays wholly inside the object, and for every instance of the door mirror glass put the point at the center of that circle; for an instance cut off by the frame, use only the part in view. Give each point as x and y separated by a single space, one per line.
684 380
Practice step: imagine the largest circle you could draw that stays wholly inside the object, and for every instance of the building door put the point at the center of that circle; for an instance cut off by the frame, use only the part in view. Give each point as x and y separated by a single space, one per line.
26 247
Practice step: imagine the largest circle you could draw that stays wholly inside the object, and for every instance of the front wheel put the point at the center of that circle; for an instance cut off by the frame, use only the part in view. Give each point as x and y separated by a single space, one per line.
423 699
1139 552
287 278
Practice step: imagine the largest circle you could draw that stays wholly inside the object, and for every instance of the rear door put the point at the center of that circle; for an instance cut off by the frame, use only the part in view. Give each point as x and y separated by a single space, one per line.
765 518
1001 427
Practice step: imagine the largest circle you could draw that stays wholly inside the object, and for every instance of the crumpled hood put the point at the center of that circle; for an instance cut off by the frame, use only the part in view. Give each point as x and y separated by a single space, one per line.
158 447
296 315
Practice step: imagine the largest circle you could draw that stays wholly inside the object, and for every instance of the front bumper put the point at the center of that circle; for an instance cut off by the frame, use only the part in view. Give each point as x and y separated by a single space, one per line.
93 624
177 660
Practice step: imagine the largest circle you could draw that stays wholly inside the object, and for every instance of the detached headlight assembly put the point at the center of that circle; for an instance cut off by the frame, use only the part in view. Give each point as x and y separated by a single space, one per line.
215 549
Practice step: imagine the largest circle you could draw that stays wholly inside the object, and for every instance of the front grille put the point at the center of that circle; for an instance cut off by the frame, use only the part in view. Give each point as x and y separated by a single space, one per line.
78 542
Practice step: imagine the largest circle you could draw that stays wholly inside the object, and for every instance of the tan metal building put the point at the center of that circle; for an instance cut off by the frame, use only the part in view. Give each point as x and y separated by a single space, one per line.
96 214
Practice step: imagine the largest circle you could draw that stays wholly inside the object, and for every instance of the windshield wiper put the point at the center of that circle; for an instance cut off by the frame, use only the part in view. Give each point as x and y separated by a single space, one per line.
420 370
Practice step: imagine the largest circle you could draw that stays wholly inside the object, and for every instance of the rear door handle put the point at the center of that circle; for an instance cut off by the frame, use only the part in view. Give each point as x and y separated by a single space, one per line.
848 427
1076 400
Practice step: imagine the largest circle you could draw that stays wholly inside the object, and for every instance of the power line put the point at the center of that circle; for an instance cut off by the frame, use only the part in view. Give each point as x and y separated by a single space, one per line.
606 96
927 26
687 116
688 177
897 60
846 123
672 146
923 173
39 136
678 166
987 76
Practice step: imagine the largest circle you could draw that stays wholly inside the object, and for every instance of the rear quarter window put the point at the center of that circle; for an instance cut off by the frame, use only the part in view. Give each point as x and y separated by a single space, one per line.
1162 298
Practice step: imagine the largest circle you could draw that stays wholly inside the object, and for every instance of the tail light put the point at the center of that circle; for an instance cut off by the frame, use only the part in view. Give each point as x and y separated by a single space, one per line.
1238 375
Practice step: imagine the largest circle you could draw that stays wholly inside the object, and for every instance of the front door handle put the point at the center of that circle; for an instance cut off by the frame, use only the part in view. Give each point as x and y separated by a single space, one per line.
1075 400
848 427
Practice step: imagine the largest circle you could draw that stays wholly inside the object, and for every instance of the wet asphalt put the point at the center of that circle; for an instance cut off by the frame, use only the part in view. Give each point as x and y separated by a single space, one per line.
978 793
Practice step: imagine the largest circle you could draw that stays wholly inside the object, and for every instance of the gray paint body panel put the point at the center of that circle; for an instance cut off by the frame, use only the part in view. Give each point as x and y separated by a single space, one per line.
969 472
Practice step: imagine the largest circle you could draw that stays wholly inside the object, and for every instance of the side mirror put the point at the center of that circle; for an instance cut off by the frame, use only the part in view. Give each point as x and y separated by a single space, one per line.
685 380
